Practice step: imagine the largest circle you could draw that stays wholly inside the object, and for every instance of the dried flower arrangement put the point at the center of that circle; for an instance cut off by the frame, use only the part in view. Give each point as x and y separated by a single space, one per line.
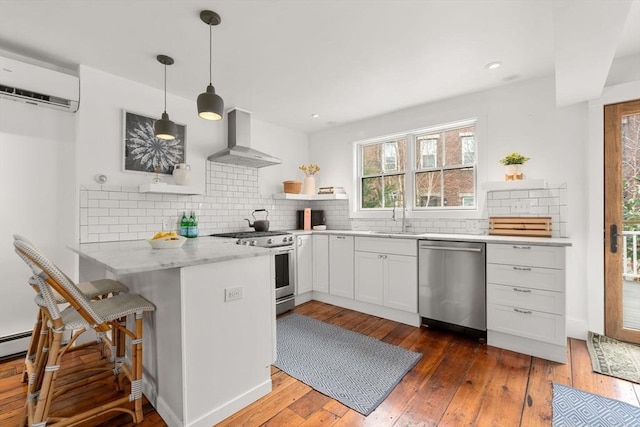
309 169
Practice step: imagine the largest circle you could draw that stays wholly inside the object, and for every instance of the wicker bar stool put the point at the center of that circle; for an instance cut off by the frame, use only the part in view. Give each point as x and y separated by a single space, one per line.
83 314
94 289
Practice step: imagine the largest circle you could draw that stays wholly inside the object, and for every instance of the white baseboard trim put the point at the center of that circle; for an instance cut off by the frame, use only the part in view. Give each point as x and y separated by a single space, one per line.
213 417
302 298
232 406
577 328
411 319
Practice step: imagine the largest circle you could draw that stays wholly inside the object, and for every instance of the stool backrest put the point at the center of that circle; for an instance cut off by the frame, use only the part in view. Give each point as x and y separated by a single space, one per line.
59 282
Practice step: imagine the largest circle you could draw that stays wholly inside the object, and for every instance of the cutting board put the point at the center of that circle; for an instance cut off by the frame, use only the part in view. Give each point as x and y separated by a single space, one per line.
520 226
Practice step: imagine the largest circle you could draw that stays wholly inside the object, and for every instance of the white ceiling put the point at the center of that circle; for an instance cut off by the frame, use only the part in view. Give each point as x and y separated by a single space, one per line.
342 59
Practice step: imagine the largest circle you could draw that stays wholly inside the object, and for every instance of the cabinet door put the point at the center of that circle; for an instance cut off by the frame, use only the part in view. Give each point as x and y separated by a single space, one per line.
369 277
401 282
304 264
320 263
341 266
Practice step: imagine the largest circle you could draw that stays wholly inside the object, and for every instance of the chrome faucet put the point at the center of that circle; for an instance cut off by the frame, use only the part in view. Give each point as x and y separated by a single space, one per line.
394 197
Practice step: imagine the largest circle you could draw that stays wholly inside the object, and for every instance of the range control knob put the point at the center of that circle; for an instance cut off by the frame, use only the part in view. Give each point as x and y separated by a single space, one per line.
253 243
284 239
269 241
291 238
240 242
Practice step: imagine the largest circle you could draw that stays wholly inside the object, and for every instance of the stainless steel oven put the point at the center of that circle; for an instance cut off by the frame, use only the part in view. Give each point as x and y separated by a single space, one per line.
285 279
282 244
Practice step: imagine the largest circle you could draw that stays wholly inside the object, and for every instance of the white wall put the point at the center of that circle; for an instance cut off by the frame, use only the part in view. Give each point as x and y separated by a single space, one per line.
37 200
100 133
47 156
520 117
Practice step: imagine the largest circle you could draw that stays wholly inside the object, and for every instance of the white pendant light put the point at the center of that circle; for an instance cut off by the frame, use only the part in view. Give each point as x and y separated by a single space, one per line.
165 128
210 105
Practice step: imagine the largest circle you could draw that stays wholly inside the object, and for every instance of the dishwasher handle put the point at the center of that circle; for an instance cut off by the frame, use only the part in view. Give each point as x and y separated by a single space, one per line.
451 248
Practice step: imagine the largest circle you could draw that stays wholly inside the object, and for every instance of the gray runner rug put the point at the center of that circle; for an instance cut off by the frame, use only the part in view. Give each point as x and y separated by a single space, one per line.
356 370
615 358
577 408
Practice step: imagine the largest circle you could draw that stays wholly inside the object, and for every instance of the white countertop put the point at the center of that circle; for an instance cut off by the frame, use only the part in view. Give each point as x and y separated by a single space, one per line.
516 240
138 256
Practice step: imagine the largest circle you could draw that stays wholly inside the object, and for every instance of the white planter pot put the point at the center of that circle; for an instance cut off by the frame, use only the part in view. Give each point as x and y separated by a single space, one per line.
309 185
513 172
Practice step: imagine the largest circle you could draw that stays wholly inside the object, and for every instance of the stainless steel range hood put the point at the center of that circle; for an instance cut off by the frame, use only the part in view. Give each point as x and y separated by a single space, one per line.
239 151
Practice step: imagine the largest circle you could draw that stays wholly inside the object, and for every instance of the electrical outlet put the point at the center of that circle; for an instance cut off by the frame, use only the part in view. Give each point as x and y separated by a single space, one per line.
231 294
520 206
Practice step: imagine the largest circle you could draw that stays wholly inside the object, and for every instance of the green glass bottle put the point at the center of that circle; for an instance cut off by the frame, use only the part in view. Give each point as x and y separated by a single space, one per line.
184 225
193 225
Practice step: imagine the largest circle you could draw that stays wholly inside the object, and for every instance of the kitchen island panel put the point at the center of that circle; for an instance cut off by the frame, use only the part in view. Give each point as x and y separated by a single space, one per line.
204 357
227 344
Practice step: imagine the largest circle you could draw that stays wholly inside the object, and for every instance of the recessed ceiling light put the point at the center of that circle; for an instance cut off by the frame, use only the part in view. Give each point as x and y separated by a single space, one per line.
493 65
315 116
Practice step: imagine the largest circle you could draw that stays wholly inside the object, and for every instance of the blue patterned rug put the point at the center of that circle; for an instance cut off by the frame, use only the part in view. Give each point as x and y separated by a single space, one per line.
577 408
356 370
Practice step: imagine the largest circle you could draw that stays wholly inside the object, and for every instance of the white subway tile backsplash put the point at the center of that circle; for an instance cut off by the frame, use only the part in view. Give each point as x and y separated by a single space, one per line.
521 194
97 212
232 193
108 220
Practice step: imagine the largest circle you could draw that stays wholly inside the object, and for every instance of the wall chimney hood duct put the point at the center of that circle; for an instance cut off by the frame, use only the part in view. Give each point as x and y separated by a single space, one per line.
239 151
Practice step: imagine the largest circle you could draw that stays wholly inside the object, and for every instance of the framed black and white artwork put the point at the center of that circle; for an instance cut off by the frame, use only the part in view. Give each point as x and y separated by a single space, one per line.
143 152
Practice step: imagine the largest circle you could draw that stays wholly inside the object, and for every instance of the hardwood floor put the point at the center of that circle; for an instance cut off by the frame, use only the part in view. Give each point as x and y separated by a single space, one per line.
459 381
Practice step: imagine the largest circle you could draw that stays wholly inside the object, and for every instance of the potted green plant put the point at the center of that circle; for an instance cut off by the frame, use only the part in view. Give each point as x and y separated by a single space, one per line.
513 163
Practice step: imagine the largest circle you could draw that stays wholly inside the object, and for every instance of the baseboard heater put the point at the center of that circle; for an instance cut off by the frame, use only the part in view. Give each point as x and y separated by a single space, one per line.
14 345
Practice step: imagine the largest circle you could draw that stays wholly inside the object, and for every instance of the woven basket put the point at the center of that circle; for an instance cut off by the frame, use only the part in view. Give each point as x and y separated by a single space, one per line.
293 187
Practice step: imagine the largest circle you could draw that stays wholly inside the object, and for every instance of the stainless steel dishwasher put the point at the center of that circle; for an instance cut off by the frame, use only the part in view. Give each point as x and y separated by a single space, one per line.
451 281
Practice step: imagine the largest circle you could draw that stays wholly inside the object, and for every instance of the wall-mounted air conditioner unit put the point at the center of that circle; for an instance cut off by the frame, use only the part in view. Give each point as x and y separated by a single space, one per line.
33 84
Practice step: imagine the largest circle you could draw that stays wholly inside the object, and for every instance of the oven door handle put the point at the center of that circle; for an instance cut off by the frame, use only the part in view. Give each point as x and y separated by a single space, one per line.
280 251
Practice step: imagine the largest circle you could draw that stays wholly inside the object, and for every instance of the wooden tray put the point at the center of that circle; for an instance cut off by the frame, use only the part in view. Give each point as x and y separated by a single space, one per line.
520 226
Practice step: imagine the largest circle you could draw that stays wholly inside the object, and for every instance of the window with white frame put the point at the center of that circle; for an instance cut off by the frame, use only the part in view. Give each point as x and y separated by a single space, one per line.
437 168
382 169
468 148
429 151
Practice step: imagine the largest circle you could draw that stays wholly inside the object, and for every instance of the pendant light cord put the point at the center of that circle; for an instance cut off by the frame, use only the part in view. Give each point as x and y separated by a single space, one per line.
210 54
165 87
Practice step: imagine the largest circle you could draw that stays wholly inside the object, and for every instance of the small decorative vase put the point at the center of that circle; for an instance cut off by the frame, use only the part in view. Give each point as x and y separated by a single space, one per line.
181 173
309 185
513 172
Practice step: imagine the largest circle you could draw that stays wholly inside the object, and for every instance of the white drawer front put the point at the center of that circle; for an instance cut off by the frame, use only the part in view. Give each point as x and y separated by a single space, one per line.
386 245
527 323
533 299
529 255
524 276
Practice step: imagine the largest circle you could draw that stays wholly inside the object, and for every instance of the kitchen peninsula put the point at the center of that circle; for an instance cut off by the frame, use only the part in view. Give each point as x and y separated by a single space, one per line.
209 345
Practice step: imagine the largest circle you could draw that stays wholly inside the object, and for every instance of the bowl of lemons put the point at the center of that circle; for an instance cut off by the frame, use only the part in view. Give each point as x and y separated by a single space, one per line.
166 240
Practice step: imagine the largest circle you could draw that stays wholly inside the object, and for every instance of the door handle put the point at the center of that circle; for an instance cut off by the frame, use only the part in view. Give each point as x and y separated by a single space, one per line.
613 236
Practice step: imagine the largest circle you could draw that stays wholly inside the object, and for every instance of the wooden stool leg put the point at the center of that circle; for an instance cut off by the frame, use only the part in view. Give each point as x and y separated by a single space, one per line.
32 350
136 365
48 379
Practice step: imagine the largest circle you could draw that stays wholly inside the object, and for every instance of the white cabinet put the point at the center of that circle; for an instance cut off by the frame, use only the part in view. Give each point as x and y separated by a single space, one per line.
401 282
526 299
341 266
304 264
369 277
321 263
386 272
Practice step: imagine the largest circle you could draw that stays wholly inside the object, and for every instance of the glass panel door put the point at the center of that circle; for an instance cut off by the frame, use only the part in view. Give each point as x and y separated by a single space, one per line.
622 220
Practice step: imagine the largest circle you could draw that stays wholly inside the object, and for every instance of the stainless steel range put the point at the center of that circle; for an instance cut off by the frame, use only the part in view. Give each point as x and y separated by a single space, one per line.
284 263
